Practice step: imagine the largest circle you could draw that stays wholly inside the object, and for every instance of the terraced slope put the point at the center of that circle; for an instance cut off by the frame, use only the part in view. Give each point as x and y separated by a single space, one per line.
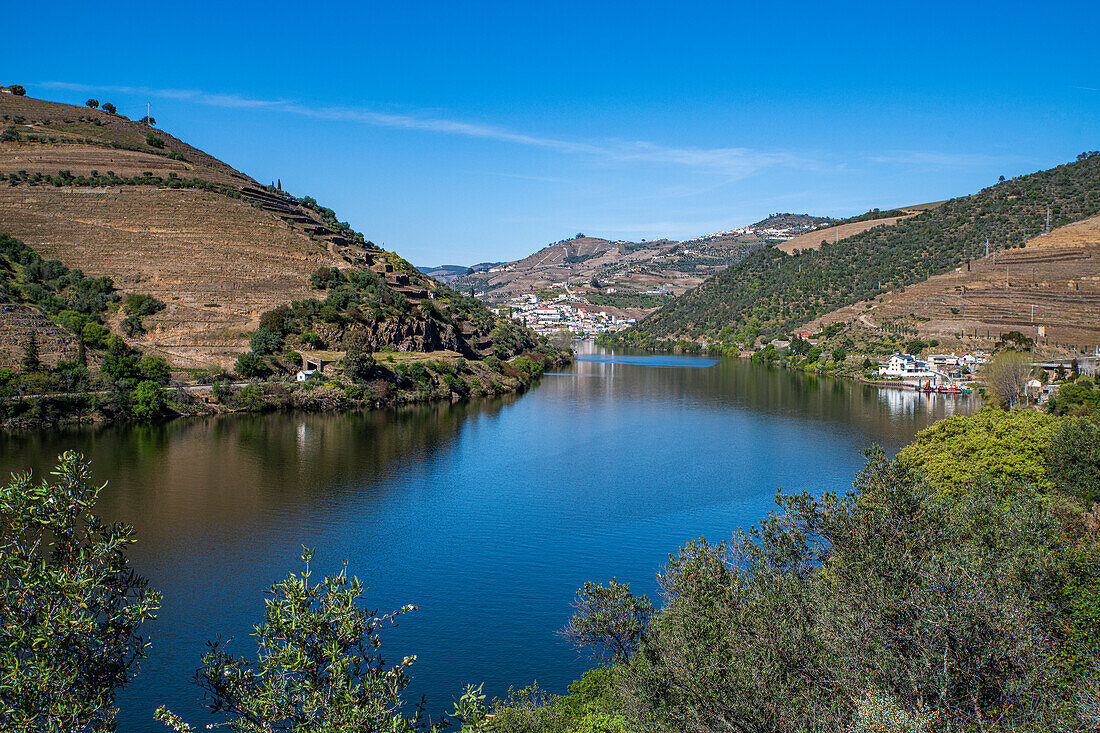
840 232
1053 283
771 292
116 197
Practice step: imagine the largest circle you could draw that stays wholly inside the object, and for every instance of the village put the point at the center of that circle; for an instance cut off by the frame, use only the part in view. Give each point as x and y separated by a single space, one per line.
564 313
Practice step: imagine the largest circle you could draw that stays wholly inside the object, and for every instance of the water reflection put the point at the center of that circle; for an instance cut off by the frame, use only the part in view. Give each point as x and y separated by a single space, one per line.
486 515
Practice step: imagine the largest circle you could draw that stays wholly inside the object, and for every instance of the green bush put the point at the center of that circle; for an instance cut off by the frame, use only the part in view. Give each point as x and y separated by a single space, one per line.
147 400
154 141
72 607
249 365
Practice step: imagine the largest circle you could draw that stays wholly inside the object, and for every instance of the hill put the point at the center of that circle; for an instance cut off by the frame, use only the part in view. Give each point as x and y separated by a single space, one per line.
113 197
771 292
842 229
1053 283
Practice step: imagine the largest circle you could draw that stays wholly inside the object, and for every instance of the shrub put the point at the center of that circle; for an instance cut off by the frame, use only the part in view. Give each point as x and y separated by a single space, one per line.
155 369
265 342
249 365
132 326
147 400
17 90
1073 459
141 304
317 666
154 141
70 628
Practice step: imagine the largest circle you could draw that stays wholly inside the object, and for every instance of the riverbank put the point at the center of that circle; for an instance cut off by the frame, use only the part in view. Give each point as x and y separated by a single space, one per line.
394 379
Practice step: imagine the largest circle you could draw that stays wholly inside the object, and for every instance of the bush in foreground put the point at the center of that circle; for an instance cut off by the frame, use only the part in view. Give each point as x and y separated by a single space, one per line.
71 608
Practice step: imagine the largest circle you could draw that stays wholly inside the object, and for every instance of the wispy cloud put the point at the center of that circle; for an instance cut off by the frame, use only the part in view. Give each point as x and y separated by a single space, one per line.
734 162
927 158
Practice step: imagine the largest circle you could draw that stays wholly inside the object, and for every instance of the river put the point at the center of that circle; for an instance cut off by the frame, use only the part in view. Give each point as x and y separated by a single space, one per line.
486 515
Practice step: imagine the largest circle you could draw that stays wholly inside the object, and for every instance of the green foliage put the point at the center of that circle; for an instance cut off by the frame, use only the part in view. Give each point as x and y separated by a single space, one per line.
121 362
784 291
155 369
358 359
915 346
265 342
153 141
147 400
25 277
31 362
317 667
132 326
607 621
71 608
92 104
1073 459
251 398
141 304
109 108
249 365
1004 446
943 606
1080 397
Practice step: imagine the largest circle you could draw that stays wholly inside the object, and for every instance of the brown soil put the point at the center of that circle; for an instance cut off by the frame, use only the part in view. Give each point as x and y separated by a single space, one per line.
1056 277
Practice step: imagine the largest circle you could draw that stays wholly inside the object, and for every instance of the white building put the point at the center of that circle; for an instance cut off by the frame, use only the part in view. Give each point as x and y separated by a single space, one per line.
910 367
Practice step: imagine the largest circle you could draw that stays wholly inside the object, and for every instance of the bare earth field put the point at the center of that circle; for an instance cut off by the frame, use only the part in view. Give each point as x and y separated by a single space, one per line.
812 240
1056 277
217 262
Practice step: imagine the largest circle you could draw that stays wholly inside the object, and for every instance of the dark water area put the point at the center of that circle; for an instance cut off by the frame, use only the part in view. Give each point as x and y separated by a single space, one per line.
487 515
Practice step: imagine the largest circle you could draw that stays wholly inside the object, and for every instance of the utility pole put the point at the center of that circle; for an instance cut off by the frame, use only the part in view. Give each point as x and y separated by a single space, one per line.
987 246
1048 220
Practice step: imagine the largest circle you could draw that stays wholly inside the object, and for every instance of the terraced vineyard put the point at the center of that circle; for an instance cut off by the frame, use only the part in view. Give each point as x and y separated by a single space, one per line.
120 198
771 292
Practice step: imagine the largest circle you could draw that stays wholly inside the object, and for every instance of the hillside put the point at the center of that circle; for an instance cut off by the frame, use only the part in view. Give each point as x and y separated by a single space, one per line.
1053 283
771 292
118 198
850 227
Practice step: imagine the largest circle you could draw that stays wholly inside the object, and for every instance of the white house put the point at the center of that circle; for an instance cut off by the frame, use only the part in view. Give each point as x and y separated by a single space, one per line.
909 367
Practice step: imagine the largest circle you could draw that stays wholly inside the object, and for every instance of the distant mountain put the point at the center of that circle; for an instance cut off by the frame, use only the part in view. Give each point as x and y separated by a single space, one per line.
450 273
771 292
790 221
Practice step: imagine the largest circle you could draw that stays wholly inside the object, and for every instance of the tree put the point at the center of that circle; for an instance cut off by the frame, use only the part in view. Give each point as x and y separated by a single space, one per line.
155 369
915 346
358 359
1007 375
154 141
265 342
839 355
109 108
147 400
17 90
92 104
608 621
249 365
1003 446
1073 459
71 608
132 326
150 121
31 362
317 666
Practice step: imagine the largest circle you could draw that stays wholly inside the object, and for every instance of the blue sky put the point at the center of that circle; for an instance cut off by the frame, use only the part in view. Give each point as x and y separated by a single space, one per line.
464 132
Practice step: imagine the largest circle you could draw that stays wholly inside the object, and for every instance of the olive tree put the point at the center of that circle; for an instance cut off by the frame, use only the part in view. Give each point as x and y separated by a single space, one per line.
71 607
